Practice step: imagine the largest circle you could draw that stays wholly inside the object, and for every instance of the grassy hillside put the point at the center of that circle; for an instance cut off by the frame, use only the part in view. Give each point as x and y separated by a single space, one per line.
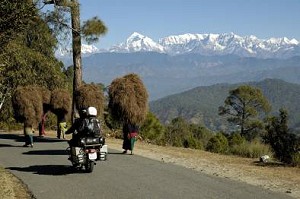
200 105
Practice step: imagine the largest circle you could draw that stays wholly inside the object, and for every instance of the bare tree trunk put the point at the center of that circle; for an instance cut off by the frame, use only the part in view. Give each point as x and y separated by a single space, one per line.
77 62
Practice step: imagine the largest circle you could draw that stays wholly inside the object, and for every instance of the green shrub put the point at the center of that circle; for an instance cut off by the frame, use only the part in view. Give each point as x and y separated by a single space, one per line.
284 143
152 129
296 159
236 139
201 134
218 144
177 132
192 143
253 149
51 121
10 126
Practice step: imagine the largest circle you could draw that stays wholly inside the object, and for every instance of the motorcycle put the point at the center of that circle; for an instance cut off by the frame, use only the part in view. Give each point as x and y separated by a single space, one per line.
87 152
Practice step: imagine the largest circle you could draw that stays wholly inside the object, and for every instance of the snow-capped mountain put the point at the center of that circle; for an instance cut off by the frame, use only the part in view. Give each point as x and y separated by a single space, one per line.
212 44
138 43
203 44
85 50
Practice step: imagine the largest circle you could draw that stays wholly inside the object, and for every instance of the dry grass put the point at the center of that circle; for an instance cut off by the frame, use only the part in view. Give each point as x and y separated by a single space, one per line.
61 101
11 187
128 99
27 104
90 95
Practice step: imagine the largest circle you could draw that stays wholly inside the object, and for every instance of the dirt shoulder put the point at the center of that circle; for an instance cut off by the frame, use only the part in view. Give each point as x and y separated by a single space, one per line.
273 176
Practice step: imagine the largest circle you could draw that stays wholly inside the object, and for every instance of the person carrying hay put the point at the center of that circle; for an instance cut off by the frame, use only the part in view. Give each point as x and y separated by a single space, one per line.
62 128
28 133
42 126
130 133
28 108
128 105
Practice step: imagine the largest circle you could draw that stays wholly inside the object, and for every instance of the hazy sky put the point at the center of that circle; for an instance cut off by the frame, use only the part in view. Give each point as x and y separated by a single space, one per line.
161 18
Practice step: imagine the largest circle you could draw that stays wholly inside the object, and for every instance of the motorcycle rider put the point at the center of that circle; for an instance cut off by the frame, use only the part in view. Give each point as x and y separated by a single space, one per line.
79 129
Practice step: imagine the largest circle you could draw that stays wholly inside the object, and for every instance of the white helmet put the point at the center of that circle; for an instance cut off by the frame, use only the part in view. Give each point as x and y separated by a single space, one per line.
91 111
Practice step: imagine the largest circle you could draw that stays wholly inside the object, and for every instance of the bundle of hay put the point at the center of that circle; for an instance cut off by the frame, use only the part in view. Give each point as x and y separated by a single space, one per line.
46 98
90 95
27 105
61 102
128 99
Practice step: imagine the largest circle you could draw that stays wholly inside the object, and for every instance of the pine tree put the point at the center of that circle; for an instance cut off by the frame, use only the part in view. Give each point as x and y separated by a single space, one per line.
284 143
243 106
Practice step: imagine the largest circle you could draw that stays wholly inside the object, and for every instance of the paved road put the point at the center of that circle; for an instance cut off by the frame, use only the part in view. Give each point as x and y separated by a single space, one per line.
47 172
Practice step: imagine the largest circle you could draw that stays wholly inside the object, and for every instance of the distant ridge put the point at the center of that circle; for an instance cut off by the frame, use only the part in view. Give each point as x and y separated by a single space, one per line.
200 105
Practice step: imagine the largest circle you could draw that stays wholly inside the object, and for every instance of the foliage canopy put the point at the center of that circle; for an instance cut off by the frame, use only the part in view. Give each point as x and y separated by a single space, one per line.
243 106
286 145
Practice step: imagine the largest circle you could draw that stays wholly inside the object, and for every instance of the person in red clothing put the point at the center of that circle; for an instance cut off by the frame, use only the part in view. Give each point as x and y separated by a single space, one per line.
42 126
130 133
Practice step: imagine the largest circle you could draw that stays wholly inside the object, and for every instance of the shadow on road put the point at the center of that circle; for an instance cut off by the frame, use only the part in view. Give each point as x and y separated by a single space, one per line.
116 153
20 138
47 139
6 145
47 169
46 152
15 137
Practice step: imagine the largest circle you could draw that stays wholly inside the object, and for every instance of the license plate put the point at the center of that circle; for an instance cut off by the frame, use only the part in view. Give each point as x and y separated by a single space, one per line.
93 156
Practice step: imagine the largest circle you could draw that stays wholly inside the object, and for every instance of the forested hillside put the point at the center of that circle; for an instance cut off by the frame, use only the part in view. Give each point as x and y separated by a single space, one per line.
200 105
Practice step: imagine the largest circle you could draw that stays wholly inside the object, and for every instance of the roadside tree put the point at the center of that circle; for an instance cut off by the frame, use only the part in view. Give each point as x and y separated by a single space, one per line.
152 130
242 108
26 53
286 145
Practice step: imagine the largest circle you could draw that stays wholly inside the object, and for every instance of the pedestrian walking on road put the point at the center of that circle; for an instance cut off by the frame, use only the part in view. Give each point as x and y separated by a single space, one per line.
62 129
42 126
28 133
130 132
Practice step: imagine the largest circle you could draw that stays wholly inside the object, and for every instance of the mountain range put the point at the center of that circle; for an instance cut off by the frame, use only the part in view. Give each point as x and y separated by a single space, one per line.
212 45
204 44
178 63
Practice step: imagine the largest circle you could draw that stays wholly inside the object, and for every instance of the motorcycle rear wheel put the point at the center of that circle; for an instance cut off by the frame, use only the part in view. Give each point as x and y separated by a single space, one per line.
89 167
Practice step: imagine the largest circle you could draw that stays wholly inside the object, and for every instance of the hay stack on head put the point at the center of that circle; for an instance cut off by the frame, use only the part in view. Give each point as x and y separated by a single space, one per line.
46 98
27 105
128 99
90 95
60 103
